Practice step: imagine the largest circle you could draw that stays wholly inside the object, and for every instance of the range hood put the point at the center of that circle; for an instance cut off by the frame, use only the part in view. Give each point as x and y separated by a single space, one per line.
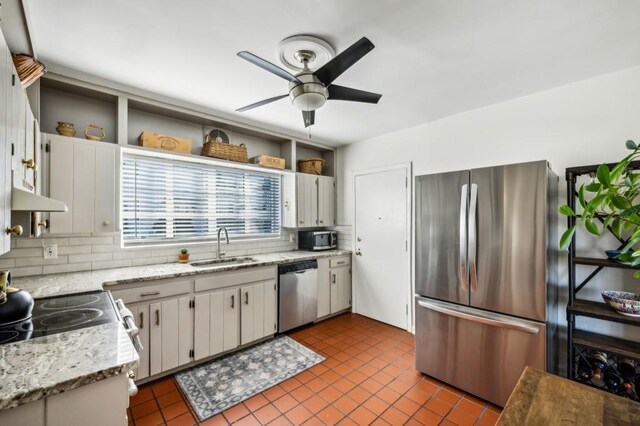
27 202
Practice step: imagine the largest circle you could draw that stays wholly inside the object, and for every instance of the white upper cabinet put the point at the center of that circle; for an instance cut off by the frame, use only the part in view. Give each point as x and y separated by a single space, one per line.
315 196
5 145
84 175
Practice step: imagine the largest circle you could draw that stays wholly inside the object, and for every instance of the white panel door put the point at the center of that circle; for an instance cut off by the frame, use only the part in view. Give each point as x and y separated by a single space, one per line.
270 308
246 315
326 201
170 329
231 314
324 287
202 326
307 200
216 318
382 263
185 330
141 317
5 147
83 187
258 310
155 339
29 148
105 203
61 183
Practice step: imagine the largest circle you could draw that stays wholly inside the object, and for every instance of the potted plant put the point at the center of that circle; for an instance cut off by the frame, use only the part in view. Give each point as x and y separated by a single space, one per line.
183 257
610 202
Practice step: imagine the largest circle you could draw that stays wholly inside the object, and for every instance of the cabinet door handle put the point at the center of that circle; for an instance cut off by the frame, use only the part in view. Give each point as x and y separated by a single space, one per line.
157 316
30 164
233 301
151 293
246 298
141 319
333 278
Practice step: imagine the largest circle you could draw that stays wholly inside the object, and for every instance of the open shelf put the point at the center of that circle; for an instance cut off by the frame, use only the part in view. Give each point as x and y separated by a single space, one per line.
589 308
602 262
615 345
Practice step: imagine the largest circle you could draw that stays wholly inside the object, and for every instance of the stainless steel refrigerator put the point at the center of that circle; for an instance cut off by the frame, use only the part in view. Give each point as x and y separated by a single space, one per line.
486 276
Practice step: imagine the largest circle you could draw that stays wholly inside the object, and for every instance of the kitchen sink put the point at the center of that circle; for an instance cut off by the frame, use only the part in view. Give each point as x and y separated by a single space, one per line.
223 261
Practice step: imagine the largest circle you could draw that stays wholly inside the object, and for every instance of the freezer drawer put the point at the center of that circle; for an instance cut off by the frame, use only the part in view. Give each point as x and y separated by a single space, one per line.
477 351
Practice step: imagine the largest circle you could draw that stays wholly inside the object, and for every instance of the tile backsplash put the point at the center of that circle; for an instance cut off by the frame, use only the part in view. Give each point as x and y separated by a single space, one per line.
85 252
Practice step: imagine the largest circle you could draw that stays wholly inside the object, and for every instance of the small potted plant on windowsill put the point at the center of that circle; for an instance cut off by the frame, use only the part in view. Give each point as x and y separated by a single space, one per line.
183 257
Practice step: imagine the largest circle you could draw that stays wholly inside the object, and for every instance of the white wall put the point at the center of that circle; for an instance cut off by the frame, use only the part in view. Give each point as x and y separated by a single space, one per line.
578 124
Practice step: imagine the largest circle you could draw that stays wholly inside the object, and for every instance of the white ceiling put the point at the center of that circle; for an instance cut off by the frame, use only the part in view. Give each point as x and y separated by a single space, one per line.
433 58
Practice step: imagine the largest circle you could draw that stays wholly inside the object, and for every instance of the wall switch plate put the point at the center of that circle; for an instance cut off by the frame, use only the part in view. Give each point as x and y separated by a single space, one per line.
51 251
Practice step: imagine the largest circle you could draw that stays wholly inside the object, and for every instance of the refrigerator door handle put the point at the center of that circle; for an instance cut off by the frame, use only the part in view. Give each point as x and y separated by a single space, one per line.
473 244
483 318
463 237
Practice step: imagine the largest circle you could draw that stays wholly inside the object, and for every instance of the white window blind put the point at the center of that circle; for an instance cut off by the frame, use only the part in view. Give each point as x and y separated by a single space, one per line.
168 201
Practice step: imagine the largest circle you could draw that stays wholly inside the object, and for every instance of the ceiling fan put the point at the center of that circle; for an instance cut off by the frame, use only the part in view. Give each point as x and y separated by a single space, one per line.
309 90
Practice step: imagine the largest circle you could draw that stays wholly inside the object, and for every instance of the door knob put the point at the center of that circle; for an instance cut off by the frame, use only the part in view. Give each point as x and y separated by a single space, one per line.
44 224
30 164
17 230
106 223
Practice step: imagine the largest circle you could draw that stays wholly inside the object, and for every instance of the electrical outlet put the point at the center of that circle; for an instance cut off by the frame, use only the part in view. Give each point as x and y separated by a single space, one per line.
51 251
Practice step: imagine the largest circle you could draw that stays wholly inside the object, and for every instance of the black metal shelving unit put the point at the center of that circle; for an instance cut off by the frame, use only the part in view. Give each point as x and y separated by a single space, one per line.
580 342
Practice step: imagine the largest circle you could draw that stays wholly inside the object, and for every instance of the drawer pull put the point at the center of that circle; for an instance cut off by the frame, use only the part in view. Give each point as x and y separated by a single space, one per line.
233 301
141 319
157 316
151 293
342 262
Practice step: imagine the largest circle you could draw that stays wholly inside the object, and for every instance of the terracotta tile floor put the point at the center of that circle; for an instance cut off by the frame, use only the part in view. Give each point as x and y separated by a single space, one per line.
368 378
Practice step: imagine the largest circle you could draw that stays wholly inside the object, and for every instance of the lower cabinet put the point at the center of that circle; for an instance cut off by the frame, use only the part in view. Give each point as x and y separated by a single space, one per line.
170 334
103 403
233 316
141 316
334 285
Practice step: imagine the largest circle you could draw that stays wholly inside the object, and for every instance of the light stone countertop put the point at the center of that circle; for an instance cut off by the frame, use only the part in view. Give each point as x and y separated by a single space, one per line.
37 368
81 282
34 369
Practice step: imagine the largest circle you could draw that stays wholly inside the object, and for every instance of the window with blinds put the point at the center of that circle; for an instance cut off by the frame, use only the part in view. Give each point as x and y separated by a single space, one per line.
173 201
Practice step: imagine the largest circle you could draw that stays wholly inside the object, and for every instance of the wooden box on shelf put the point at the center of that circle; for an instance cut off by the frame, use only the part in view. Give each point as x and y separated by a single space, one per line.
168 143
267 161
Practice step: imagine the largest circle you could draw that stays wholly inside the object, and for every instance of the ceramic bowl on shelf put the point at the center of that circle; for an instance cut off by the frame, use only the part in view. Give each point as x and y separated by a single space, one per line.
623 302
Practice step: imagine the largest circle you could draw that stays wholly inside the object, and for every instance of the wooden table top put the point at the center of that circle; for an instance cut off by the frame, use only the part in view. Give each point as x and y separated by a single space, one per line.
545 399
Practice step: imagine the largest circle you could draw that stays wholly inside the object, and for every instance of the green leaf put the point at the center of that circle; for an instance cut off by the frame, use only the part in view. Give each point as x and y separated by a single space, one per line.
591 226
635 253
620 203
635 261
581 199
593 187
566 237
631 145
624 257
603 175
631 210
616 227
636 274
630 244
628 182
594 204
566 210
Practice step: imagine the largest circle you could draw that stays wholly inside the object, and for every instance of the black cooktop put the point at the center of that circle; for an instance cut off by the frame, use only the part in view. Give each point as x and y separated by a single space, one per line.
63 313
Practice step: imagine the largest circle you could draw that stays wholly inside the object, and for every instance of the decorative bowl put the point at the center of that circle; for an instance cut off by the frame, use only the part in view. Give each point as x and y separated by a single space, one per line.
623 302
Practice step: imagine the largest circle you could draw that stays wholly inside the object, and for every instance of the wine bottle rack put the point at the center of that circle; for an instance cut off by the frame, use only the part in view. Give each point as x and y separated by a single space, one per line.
582 344
583 359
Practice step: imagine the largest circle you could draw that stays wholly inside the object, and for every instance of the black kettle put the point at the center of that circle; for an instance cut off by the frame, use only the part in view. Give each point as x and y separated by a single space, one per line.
15 305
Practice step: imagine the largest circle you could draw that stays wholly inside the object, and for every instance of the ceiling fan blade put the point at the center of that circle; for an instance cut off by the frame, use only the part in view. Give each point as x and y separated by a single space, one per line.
262 102
266 65
332 69
341 93
309 118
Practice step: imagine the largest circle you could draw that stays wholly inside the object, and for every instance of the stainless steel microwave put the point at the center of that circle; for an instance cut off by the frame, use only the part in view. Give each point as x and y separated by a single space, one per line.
317 240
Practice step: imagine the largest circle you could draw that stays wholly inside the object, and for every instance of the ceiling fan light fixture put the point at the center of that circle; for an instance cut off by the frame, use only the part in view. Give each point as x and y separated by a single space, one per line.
309 101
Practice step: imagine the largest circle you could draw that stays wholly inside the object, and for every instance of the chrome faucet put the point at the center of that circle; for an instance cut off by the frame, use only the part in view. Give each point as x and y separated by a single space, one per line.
226 235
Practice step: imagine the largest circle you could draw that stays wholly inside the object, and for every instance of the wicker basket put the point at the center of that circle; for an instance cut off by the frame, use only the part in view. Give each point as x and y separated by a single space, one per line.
312 166
226 151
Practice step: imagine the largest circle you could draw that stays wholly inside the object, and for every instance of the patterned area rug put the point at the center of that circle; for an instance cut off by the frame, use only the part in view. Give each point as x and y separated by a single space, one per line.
217 385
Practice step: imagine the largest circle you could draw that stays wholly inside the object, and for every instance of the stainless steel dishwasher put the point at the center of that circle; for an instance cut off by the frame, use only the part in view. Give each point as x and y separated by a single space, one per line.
298 297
